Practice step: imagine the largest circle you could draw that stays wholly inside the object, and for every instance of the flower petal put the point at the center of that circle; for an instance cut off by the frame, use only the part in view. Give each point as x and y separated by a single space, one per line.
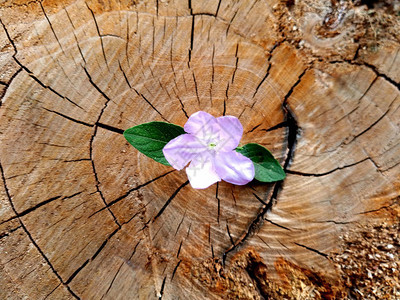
182 149
230 134
204 126
201 171
234 167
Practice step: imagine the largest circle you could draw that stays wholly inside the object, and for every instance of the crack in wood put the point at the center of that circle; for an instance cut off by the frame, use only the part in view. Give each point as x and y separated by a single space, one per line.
236 63
394 202
218 203
76 272
229 233
180 223
230 23
5 234
51 27
48 295
69 118
278 225
76 39
372 68
30 73
313 250
7 85
100 36
266 74
175 269
111 203
119 269
91 144
149 103
169 200
162 289
195 87
179 249
294 172
292 133
8 195
277 126
191 33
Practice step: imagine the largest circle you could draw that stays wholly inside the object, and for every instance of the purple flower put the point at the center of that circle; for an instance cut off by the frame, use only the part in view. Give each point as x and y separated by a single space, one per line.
209 145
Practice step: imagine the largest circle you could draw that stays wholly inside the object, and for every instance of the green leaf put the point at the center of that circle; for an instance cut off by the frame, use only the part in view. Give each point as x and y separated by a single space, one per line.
267 168
150 138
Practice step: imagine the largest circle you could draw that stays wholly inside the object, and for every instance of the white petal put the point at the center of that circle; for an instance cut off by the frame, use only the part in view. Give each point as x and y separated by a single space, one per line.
204 126
234 167
201 172
181 150
230 134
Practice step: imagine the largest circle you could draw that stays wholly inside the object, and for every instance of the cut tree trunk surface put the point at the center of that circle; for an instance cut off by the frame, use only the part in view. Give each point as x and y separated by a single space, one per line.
85 215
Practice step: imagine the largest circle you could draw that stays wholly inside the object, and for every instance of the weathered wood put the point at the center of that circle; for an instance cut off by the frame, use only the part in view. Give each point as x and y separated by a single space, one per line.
84 215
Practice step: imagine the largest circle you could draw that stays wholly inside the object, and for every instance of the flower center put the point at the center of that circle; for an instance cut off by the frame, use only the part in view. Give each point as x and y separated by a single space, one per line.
212 145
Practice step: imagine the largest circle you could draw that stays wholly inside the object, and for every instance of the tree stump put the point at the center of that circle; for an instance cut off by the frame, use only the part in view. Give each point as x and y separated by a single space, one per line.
85 215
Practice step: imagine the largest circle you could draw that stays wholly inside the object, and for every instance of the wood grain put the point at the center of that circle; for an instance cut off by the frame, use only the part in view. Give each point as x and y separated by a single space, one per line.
86 216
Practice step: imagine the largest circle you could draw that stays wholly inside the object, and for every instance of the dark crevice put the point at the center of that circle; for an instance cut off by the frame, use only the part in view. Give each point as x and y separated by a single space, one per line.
8 195
98 32
195 87
236 63
373 124
226 98
124 74
129 192
328 172
29 210
277 126
278 225
371 67
180 223
149 103
394 201
7 85
219 5
179 250
176 268
69 118
293 129
91 144
76 38
182 106
51 27
191 37
230 23
254 128
292 133
110 128
170 199
5 234
313 250
229 234
93 257
190 226
162 289
259 199
47 296
266 74
203 14
119 269
261 82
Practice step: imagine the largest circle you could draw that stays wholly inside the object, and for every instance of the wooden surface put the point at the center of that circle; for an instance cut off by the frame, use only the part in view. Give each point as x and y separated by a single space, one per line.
85 215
